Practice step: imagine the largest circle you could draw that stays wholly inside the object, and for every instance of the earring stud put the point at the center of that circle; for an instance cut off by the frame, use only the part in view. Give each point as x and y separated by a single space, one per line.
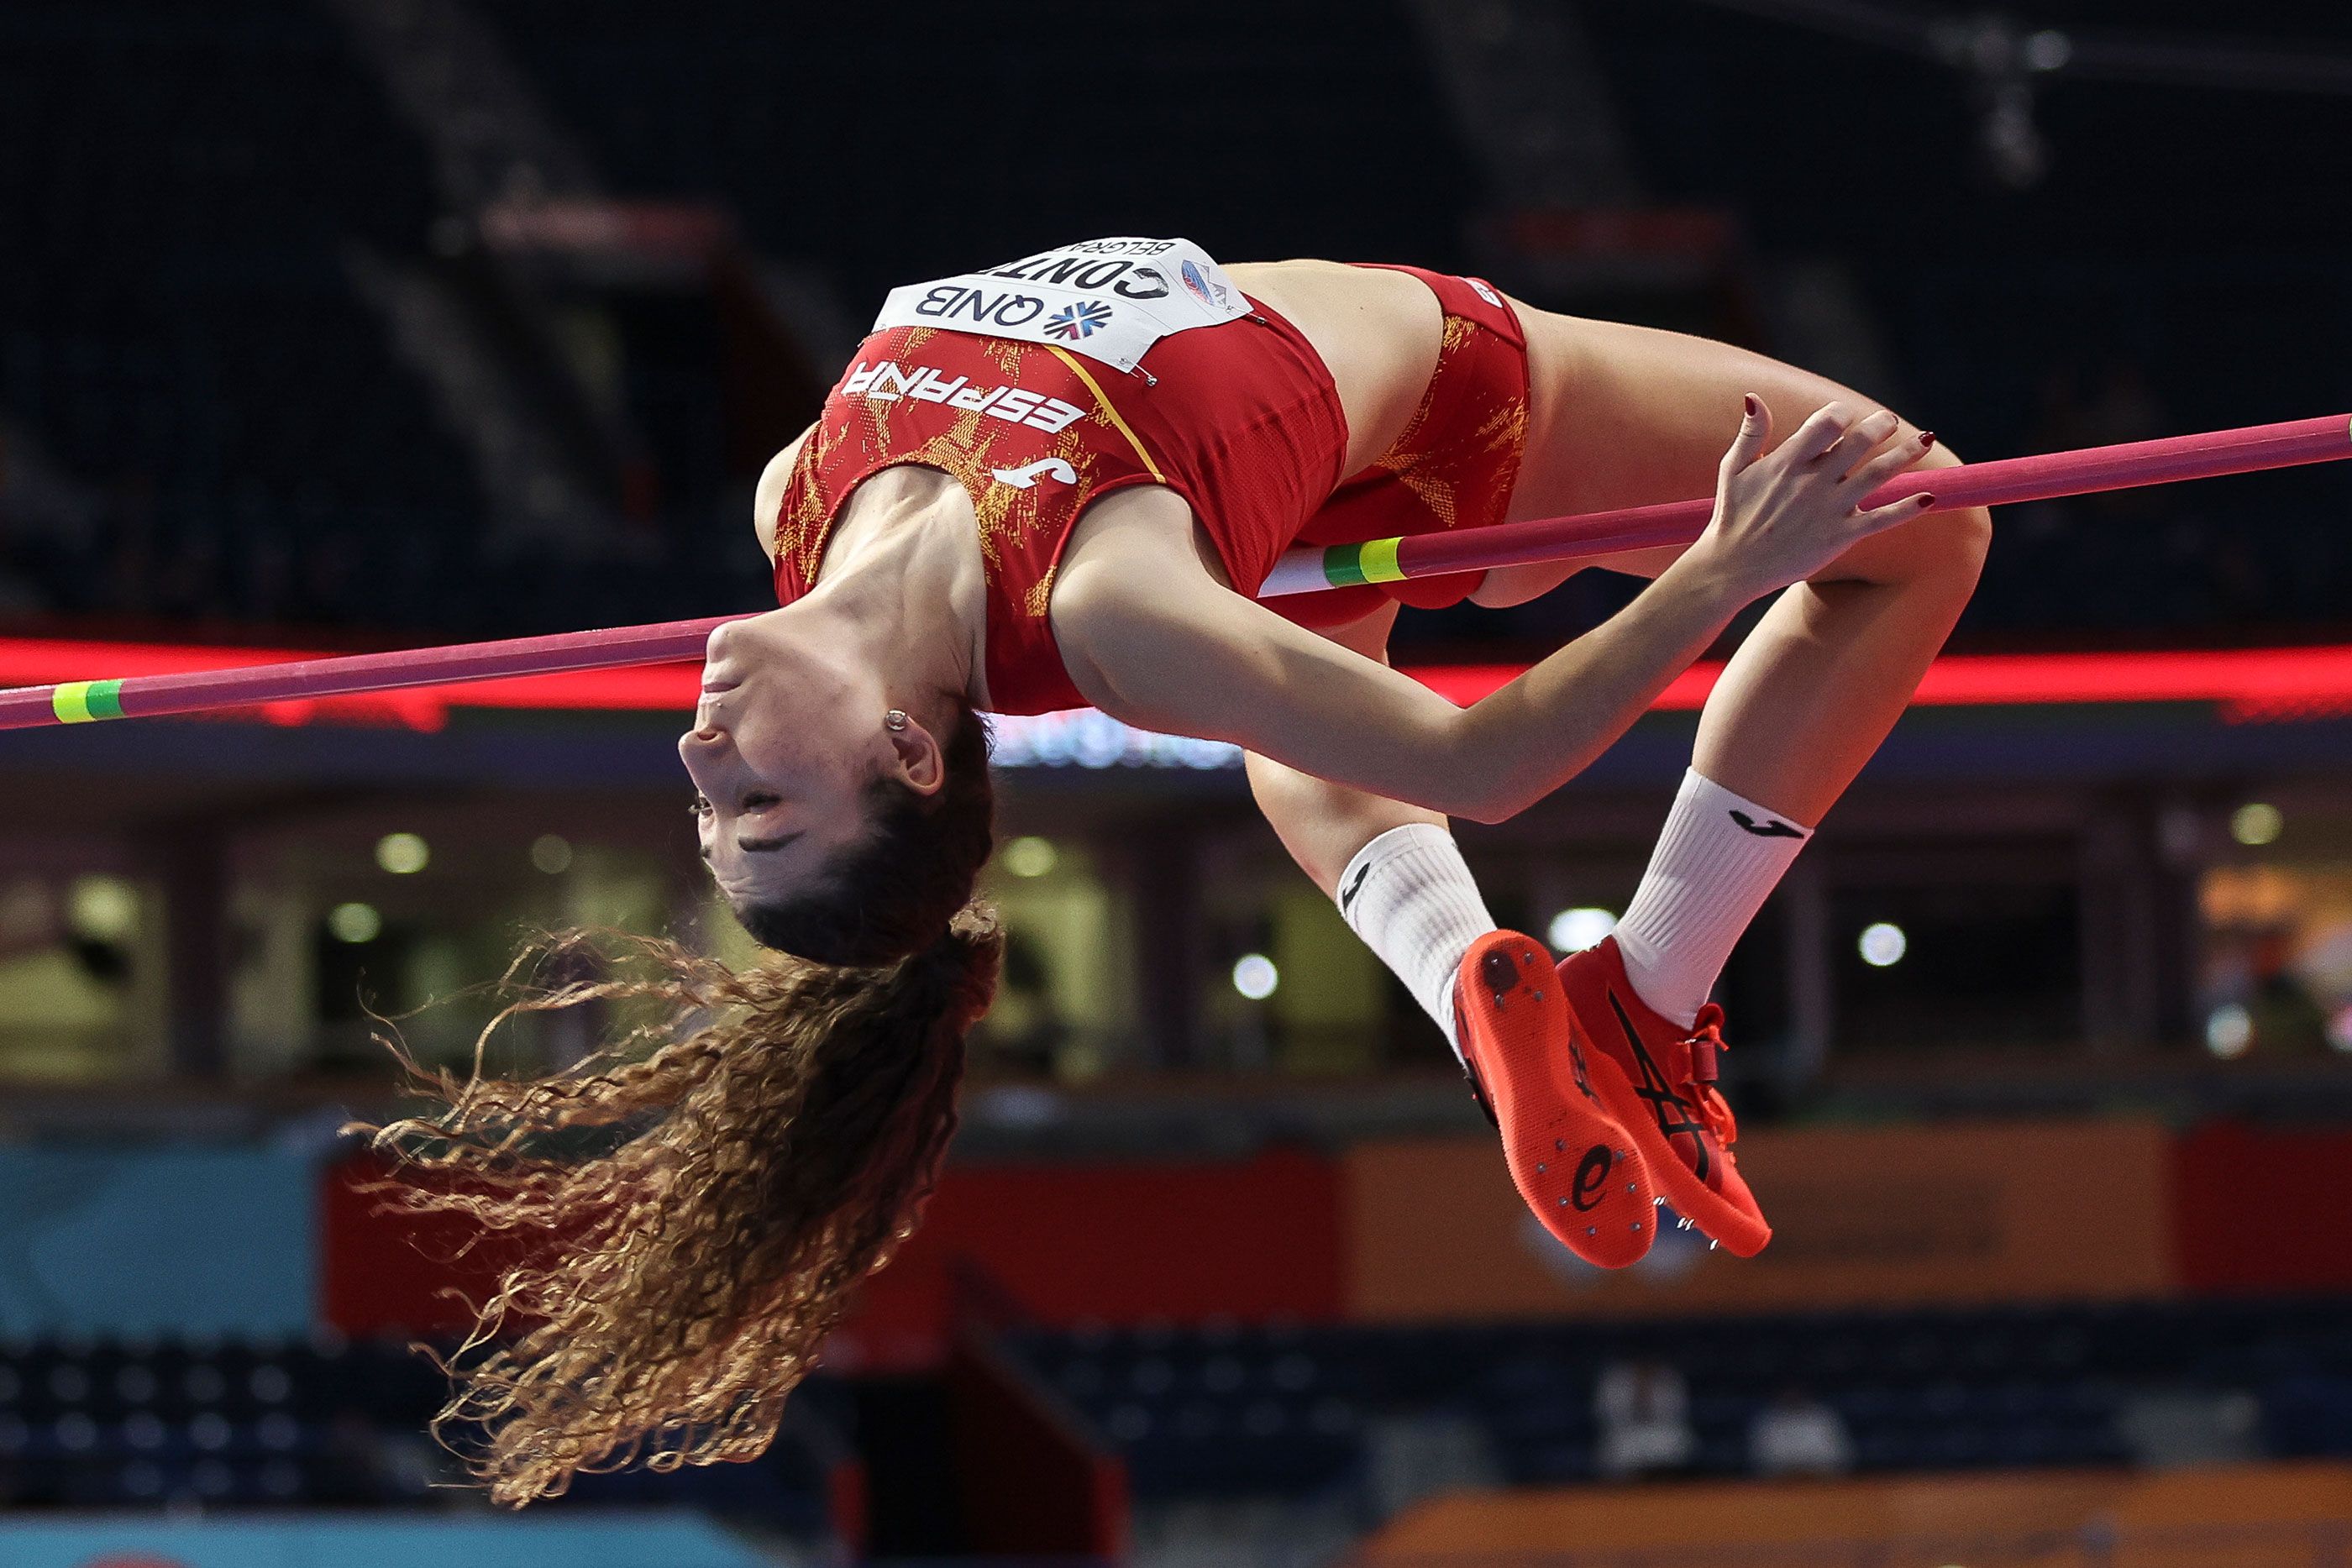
895 719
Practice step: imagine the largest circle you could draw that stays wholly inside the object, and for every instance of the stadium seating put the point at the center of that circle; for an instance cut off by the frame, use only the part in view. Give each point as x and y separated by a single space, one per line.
994 132
182 338
1284 1410
253 1424
2075 310
177 330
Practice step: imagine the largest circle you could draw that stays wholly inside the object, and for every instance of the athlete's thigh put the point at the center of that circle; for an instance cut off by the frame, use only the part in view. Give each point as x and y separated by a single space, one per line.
1623 417
1323 824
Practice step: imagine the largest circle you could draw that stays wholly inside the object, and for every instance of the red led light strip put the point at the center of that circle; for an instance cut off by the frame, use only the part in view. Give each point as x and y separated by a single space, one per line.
2246 682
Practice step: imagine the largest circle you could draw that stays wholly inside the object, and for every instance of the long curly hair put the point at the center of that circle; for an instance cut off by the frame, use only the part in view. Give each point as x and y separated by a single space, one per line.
775 1147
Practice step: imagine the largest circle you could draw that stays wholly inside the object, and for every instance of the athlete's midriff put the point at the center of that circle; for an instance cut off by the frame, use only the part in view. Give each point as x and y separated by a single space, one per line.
1241 419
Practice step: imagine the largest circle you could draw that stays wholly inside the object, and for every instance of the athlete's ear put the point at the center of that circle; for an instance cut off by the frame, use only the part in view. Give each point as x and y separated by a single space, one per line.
916 758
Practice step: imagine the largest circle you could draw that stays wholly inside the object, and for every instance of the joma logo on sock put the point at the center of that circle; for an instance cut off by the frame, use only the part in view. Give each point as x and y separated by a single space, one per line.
1769 829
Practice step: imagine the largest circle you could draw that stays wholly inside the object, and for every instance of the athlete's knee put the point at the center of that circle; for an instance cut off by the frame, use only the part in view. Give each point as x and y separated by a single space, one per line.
1956 540
1942 548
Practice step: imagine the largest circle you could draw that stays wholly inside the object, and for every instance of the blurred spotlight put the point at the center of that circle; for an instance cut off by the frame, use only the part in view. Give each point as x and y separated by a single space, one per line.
2048 50
2229 1032
1029 856
101 908
2012 144
552 852
355 923
2256 823
1574 930
1883 944
402 854
2339 1027
1255 976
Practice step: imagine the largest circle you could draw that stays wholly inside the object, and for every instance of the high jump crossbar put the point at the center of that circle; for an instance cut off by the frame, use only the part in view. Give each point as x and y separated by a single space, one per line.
2003 481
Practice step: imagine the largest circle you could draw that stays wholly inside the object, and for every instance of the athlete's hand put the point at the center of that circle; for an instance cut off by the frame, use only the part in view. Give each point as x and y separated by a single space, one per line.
1781 516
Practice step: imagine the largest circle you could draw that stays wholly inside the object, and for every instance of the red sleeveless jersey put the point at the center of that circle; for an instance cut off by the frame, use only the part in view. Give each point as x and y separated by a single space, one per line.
1240 418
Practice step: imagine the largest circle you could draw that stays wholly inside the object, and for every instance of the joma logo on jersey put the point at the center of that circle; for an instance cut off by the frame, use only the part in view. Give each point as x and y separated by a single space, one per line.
887 381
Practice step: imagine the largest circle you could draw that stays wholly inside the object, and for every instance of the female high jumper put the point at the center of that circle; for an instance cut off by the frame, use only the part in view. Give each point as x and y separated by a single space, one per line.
1061 482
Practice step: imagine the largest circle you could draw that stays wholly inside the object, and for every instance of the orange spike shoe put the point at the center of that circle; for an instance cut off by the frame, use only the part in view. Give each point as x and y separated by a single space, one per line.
1659 1080
1575 1165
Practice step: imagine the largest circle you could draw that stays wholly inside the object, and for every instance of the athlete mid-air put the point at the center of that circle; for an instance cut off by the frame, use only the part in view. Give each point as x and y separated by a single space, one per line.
1060 482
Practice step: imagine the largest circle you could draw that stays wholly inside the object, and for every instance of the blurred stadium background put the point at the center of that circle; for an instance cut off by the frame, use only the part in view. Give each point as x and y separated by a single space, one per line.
350 324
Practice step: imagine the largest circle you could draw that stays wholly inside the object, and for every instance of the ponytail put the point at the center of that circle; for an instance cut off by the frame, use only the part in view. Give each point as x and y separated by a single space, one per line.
776 1148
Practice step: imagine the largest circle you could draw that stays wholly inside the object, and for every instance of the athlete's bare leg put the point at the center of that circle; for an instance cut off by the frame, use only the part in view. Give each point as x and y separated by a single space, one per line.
1624 415
1394 869
1323 824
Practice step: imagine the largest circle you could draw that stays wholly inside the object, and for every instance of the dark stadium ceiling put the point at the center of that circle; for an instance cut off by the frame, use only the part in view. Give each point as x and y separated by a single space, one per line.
1993 43
2006 60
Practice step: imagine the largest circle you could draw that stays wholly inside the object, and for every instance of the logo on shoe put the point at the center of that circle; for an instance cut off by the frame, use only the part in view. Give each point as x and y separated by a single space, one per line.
1654 1088
1770 828
1575 1063
1591 1176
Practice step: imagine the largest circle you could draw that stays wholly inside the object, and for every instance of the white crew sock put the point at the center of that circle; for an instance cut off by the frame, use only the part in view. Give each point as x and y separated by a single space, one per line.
1410 896
1717 860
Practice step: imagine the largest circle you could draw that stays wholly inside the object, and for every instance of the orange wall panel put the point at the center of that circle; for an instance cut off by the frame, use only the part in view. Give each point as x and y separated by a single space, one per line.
1720 1514
1864 1217
2010 1508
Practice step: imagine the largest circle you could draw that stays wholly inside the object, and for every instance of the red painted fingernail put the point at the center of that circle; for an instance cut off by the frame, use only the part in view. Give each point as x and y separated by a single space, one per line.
1751 405
1927 438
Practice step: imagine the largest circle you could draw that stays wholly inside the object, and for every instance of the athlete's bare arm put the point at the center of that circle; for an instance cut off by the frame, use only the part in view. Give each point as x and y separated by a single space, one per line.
1153 640
769 494
1152 637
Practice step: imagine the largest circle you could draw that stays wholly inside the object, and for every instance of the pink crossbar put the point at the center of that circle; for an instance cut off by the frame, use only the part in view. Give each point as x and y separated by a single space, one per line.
202 691
2003 481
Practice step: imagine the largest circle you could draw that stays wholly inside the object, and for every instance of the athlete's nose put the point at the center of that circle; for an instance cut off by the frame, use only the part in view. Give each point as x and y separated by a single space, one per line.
698 749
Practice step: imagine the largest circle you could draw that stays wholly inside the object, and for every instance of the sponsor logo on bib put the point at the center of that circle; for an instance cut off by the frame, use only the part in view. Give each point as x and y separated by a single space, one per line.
1109 300
1202 287
1078 320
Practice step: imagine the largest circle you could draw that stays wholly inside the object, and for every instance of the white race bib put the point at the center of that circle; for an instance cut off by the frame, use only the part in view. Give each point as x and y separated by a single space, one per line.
1109 300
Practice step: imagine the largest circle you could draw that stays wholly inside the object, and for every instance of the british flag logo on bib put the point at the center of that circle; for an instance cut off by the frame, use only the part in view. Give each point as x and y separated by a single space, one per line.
1078 320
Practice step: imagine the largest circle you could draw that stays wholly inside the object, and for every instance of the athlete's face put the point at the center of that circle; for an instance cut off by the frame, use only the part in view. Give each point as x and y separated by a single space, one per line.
783 746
